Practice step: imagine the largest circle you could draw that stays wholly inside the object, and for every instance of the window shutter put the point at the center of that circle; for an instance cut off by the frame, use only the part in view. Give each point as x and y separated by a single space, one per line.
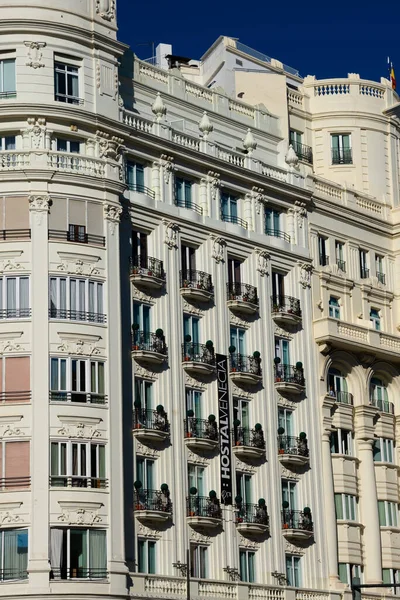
17 374
17 463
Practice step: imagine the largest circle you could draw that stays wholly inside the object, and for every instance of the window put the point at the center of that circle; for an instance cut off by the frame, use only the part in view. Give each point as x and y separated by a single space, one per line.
7 78
14 557
334 308
194 402
196 479
241 412
8 142
15 379
348 572
345 507
243 487
64 145
144 393
247 560
282 350
285 420
198 561
339 255
341 149
323 258
66 83
191 327
78 464
76 299
14 298
272 222
78 553
14 465
383 450
229 208
295 138
77 233
239 62
147 556
391 576
289 493
379 269
77 380
337 386
188 261
145 472
234 278
375 318
237 339
278 288
364 271
293 575
342 442
379 395
135 177
139 248
183 192
141 316
387 513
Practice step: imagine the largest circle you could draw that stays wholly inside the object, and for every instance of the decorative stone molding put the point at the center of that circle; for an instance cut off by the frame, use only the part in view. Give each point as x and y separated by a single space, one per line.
11 431
168 166
292 549
214 180
196 536
249 143
158 108
147 532
10 347
300 212
80 348
240 393
235 320
79 516
247 543
244 467
7 517
35 134
282 333
286 403
197 459
306 270
40 205
142 296
286 474
259 198
218 251
171 234
106 9
35 54
10 266
291 158
112 213
205 125
77 268
80 430
194 383
109 146
146 450
263 259
190 308
144 373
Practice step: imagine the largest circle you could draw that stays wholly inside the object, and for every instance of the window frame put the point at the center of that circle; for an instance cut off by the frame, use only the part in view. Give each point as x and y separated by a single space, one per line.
70 73
149 546
247 574
389 513
334 307
344 152
11 93
344 440
375 318
293 571
346 507
199 561
386 449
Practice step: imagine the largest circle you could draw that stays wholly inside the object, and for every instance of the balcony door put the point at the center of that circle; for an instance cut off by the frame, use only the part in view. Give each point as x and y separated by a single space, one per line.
289 494
278 288
141 316
241 412
193 402
234 271
188 261
282 350
285 420
145 473
336 382
243 487
191 326
237 339
139 248
196 479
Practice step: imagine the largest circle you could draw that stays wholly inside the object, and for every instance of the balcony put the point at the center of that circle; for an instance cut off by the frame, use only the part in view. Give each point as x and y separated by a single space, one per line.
278 234
203 512
248 443
15 313
297 525
9 235
234 219
382 405
302 151
75 481
251 519
140 189
77 397
341 265
286 310
152 506
76 315
201 434
15 397
189 204
293 451
381 277
245 370
196 285
289 379
341 397
13 574
364 273
323 260
14 483
149 348
198 359
242 298
80 573
150 425
77 237
342 156
147 272
68 99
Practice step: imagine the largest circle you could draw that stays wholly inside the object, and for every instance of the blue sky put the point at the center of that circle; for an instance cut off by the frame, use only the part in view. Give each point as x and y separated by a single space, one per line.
326 39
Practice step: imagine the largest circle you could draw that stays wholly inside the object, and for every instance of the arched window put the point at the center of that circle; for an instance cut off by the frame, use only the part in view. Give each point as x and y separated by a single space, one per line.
378 395
337 386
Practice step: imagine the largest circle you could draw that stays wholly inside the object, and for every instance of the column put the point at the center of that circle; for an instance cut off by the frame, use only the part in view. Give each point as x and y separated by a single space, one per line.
329 510
155 180
38 566
370 515
248 213
203 196
116 547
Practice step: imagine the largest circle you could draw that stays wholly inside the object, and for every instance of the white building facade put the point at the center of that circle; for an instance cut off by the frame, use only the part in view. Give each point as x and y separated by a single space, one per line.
199 346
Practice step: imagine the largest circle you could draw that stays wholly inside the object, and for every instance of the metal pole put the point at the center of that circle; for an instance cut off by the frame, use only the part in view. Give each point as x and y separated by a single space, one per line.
187 574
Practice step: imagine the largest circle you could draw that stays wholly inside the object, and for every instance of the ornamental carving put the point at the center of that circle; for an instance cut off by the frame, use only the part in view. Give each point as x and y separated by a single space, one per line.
286 403
194 383
142 296
286 474
263 258
196 536
146 451
244 467
292 549
144 373
240 393
79 267
8 517
171 235
247 543
146 532
109 146
112 213
9 346
39 203
282 333
218 251
35 54
9 265
300 212
79 349
80 516
106 9
214 180
81 431
235 320
34 136
168 166
196 459
306 270
189 308
10 431
259 197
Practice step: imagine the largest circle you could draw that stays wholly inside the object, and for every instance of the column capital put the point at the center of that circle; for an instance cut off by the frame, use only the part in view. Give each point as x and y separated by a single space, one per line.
39 202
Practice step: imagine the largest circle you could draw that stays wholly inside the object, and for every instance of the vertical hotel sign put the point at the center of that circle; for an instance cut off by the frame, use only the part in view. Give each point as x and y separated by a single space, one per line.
224 425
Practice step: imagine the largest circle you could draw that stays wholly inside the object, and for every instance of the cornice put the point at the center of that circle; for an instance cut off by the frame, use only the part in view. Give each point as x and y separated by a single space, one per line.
347 114
347 214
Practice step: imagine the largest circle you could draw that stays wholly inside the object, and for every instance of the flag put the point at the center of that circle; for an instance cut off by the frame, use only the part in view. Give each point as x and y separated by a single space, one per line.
392 75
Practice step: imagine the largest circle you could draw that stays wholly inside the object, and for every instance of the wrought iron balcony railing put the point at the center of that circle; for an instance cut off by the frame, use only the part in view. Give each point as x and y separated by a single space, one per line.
11 397
341 265
234 219
381 277
69 99
341 397
8 95
342 156
289 374
239 363
9 483
243 436
150 419
201 429
76 315
198 353
188 204
242 292
197 280
77 397
293 445
148 342
147 265
277 233
302 151
78 573
154 500
15 313
286 304
252 513
15 234
364 273
383 405
78 481
297 519
202 506
13 574
141 189
79 238
323 260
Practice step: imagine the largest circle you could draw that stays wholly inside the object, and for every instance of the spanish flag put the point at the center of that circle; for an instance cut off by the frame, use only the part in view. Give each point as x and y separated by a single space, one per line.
392 75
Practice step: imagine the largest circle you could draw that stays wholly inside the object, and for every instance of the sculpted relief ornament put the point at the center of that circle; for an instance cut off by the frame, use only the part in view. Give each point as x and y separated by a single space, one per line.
219 245
171 235
306 270
112 213
106 9
35 54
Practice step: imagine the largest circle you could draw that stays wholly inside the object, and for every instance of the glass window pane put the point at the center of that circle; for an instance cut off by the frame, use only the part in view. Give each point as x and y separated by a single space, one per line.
9 75
151 557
